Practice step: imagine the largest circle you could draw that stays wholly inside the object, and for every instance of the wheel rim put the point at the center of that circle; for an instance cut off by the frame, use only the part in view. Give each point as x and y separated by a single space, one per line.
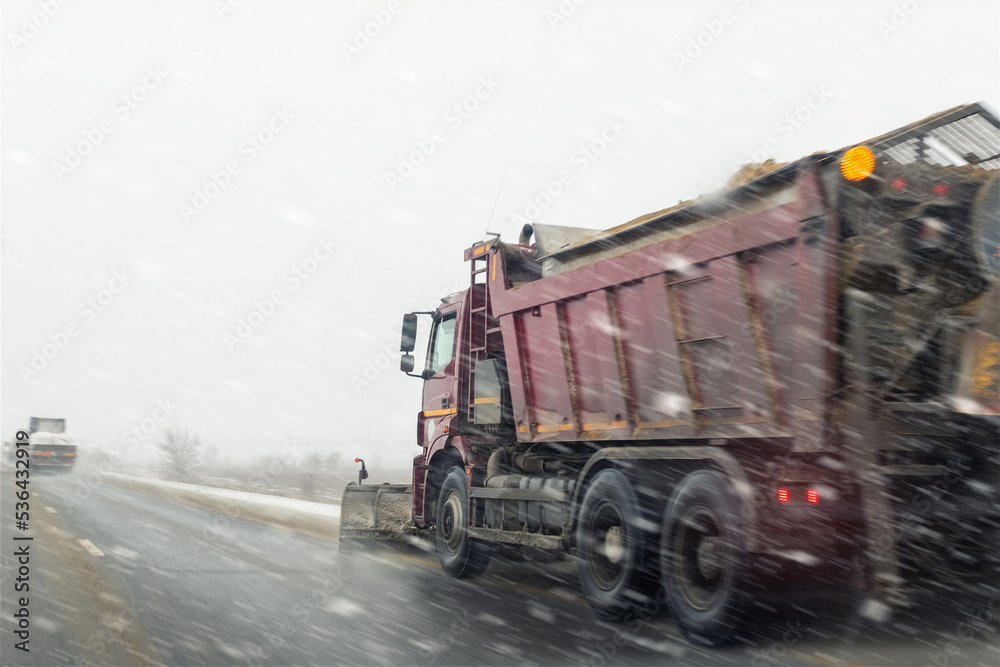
452 523
607 547
701 559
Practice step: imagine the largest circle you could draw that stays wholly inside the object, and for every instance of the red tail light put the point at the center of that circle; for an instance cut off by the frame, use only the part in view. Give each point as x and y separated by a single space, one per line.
812 496
940 189
783 495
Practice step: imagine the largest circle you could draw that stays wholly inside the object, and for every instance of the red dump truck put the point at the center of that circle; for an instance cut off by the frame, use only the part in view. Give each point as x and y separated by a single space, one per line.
800 369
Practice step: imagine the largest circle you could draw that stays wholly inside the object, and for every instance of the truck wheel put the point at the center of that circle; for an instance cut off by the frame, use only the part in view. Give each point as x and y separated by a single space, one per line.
610 545
461 557
703 559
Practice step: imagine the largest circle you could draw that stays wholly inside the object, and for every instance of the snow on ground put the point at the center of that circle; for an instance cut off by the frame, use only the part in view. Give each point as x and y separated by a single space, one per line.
305 506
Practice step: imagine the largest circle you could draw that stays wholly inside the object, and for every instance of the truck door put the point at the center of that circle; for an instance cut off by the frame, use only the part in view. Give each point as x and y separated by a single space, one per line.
440 390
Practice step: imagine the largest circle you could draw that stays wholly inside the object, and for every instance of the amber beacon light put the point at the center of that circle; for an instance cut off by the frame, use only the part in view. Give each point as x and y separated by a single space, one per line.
858 163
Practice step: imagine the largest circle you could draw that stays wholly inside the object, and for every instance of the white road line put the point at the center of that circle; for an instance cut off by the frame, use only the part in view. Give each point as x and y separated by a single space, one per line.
51 510
91 549
34 493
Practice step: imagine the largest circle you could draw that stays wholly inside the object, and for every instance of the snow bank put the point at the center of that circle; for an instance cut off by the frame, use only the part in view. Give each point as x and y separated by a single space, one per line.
319 519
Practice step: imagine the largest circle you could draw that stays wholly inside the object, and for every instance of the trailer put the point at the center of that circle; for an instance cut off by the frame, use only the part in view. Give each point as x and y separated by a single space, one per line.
799 370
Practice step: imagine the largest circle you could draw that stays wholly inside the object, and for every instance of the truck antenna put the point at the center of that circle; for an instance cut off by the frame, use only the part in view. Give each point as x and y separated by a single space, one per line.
502 181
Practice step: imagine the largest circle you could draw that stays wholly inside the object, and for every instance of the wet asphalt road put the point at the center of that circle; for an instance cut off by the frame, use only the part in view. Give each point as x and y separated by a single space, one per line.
165 583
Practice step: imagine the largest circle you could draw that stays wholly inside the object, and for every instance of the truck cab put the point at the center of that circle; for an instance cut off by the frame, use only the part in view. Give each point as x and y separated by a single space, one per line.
443 402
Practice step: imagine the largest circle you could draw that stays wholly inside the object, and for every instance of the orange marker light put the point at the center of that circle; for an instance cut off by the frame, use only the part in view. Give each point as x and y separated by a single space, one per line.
812 496
783 495
858 163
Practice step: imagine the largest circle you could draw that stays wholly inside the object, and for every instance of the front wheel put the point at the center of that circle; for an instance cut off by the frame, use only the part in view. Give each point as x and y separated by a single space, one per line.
461 556
703 558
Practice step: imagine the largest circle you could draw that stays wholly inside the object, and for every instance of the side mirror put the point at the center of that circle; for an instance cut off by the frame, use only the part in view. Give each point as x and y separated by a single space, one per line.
406 363
409 338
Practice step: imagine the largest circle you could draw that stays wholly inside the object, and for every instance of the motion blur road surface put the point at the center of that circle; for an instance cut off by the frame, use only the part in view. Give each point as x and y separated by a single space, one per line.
163 583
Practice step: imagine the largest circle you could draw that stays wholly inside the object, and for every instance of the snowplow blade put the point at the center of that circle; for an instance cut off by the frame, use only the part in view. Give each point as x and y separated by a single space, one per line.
376 513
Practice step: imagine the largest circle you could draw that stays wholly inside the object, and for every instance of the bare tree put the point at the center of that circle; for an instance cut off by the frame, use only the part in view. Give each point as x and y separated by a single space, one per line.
181 450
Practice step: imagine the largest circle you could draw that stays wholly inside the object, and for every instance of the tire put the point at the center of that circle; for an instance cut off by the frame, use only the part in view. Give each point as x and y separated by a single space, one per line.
460 556
610 546
703 559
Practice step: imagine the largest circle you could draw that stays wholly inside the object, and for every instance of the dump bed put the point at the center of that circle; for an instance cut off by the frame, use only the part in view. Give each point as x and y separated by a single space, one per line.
47 424
718 319
720 332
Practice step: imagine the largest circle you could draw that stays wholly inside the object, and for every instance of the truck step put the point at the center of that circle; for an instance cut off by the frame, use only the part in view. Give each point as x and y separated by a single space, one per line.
553 542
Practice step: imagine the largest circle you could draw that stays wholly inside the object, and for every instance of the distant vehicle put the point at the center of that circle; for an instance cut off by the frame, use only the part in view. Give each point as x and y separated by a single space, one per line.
800 371
51 447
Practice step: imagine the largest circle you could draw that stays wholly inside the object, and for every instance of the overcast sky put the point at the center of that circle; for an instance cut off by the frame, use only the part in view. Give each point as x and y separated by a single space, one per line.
170 168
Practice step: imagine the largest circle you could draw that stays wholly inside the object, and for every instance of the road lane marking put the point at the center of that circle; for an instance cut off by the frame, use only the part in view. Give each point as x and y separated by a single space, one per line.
418 559
91 549
112 634
51 510
817 658
34 493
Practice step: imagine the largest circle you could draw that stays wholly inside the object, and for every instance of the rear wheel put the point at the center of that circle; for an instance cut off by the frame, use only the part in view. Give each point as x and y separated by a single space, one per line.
461 557
610 546
704 559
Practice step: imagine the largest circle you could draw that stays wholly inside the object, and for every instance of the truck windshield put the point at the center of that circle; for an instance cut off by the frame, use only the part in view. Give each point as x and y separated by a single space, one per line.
443 345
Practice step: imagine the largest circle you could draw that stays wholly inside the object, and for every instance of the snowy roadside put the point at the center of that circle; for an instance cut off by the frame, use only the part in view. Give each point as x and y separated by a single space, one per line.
318 519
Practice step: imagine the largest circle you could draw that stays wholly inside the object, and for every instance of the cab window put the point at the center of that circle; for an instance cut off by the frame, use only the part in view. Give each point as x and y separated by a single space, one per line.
443 344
